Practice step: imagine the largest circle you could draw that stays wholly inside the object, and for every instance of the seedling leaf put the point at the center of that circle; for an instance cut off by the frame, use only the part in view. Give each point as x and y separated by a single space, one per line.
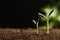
34 21
51 12
41 15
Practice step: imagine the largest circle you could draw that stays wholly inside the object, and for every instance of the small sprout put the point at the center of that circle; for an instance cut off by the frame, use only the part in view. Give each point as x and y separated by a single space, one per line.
47 19
36 25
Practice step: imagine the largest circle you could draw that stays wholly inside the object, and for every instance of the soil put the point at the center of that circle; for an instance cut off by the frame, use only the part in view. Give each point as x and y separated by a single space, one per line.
28 34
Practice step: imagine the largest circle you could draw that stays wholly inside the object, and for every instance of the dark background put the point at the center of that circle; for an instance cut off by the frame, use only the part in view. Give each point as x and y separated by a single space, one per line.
21 13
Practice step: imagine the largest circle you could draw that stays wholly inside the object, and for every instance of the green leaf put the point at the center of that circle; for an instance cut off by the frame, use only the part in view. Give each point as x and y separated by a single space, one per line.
51 12
41 15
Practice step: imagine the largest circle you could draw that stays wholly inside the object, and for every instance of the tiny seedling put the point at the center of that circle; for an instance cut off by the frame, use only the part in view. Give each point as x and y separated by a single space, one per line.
36 25
47 19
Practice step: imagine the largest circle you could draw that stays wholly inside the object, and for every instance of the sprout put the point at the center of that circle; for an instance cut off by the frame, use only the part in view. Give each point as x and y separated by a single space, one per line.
36 25
47 19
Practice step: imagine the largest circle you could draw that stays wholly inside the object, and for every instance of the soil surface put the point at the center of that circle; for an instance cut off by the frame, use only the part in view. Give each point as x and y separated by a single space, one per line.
28 34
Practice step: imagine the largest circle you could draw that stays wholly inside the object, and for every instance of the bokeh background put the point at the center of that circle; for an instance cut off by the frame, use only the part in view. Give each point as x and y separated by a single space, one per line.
21 13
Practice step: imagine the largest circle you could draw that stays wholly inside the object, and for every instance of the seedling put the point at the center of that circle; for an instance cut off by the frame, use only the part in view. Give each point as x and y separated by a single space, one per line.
47 19
36 23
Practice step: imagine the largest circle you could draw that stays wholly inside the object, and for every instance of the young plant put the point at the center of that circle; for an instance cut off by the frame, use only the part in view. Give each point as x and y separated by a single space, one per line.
36 25
47 19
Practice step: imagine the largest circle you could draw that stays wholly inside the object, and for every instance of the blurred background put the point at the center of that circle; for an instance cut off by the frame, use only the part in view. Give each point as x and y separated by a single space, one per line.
21 13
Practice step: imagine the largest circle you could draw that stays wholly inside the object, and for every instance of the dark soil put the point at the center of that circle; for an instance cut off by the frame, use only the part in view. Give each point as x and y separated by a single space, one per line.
28 34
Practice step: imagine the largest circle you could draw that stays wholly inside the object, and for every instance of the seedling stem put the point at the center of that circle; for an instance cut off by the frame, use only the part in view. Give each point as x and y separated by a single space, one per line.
37 27
47 24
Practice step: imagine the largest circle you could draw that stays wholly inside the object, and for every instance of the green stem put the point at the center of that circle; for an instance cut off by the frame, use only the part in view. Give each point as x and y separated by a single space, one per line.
37 26
47 25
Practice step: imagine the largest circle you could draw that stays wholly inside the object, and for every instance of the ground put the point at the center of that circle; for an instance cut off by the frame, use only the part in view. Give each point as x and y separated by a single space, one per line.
28 34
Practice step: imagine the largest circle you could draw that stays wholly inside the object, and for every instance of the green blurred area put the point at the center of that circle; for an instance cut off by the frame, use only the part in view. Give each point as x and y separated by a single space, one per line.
55 16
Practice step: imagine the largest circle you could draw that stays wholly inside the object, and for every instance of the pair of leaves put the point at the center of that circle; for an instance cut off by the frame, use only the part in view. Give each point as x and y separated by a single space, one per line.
44 15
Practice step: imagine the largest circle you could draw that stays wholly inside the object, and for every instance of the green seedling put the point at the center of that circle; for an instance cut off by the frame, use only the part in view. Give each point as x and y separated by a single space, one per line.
36 23
47 19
